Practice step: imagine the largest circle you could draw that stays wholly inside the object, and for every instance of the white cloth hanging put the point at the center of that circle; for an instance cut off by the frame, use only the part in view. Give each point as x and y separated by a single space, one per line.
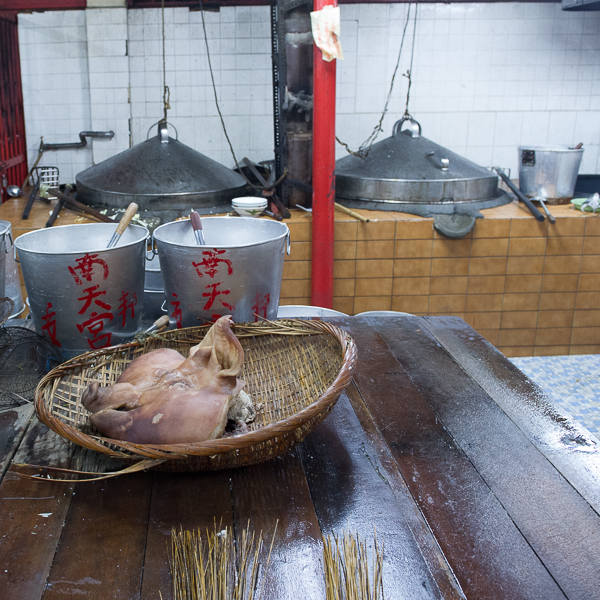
325 25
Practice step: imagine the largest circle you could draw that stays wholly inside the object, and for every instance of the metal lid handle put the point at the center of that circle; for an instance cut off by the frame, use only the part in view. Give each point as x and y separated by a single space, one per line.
415 127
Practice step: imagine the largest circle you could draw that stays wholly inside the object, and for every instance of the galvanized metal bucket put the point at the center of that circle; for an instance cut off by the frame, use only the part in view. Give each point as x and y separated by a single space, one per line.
10 270
5 247
549 172
238 272
82 296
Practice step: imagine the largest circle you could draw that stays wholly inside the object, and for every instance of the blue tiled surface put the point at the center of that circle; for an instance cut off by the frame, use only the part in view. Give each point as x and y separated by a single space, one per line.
572 381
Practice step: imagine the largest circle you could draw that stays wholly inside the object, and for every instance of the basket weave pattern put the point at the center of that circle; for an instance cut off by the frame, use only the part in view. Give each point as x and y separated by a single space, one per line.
294 370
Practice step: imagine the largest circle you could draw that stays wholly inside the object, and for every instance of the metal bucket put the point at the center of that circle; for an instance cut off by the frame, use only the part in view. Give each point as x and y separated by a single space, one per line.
5 247
549 172
11 280
238 272
82 296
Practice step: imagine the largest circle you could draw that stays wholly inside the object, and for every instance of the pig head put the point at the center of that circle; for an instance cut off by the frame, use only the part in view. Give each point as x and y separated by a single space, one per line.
164 398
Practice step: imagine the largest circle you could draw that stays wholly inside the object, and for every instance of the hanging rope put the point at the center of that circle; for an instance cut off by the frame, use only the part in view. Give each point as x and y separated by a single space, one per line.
410 70
212 77
166 91
365 147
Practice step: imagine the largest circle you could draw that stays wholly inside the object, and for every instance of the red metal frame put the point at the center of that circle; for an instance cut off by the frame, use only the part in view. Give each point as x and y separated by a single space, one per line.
13 149
41 5
323 175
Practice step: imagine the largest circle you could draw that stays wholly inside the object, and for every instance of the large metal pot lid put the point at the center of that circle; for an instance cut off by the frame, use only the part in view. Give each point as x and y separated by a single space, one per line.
408 168
160 173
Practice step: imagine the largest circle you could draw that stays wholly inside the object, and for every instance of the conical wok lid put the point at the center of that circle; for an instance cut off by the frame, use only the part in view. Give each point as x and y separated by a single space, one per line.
408 168
159 174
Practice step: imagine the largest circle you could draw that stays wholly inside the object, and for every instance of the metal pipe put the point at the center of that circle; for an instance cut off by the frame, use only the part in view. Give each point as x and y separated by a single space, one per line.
323 175
81 144
520 195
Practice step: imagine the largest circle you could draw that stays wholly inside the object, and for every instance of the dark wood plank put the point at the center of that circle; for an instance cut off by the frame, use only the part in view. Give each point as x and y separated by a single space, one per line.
181 500
13 423
487 552
101 550
561 438
277 490
542 504
32 514
355 486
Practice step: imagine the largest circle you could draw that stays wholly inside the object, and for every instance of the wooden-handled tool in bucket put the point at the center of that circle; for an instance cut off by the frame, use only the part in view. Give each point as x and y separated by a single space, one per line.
123 224
197 226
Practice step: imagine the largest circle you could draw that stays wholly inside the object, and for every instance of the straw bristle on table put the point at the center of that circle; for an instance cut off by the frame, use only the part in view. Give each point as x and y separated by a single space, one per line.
346 566
216 566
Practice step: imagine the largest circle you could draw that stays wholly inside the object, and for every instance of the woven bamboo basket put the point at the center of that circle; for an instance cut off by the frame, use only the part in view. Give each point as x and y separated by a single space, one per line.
294 370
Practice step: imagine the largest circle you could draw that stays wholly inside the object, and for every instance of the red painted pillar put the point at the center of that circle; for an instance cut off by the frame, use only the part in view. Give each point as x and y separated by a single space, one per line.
323 175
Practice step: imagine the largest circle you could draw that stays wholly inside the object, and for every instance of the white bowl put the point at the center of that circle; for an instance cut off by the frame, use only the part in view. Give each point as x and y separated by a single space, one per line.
249 201
249 206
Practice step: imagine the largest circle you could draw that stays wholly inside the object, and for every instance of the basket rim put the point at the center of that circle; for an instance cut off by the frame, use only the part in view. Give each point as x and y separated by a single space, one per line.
208 447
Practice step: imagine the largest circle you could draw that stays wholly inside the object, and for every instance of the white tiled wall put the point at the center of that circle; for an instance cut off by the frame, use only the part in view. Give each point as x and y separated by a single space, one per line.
486 78
56 87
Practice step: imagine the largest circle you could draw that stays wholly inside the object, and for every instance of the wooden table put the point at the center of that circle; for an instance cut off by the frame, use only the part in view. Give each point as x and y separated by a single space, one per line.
478 484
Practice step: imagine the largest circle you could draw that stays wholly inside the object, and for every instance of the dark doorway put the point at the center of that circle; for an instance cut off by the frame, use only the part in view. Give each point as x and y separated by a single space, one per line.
13 148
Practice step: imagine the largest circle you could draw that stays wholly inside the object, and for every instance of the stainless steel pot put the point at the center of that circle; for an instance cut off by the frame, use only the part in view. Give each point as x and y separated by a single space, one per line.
160 174
549 172
409 173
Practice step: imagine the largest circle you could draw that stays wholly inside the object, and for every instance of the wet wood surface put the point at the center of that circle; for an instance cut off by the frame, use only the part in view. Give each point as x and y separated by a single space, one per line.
476 484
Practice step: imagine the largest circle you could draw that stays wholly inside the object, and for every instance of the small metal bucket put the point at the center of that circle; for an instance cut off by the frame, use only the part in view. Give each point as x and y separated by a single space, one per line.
82 296
238 272
549 172
5 247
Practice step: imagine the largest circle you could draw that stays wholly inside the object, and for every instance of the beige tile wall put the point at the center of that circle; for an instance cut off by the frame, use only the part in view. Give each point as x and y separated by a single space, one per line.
530 288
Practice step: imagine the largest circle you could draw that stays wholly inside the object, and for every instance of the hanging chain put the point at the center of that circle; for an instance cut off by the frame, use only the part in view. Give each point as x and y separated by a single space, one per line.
365 147
408 74
166 91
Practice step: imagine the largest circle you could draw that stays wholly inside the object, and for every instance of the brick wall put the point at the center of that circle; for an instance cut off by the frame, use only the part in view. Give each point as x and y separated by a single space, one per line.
530 288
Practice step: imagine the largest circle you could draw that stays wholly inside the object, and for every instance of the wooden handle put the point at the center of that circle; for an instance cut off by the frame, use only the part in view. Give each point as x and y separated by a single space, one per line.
351 213
195 219
126 218
161 322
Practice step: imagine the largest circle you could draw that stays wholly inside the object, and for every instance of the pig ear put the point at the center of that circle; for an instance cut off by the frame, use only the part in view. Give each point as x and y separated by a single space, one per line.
224 347
227 350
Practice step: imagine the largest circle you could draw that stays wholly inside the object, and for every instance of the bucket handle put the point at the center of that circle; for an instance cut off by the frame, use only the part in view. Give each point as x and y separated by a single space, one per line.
12 244
154 249
14 248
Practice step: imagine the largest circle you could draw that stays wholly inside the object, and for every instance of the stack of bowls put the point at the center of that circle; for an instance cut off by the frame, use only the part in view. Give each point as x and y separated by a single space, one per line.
249 206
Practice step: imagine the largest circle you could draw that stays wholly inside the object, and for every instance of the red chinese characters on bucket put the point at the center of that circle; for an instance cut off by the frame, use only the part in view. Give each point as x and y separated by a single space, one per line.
217 269
90 272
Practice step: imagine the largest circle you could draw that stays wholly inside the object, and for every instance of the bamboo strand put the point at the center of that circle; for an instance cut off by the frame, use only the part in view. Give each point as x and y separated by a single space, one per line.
218 567
346 568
